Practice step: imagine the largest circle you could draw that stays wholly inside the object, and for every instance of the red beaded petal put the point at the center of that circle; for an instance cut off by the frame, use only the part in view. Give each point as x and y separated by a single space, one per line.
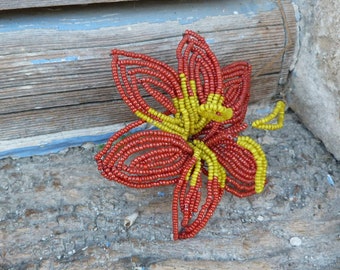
236 88
138 75
195 219
199 63
156 156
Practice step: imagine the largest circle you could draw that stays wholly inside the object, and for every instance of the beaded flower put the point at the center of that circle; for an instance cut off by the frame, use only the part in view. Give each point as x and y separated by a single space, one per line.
198 112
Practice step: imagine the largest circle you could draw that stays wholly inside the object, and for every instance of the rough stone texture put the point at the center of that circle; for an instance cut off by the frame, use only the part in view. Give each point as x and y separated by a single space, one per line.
315 94
57 212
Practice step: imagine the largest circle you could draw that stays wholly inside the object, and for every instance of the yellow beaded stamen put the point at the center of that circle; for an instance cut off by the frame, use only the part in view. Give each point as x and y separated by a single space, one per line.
165 125
214 110
260 159
215 169
278 113
191 116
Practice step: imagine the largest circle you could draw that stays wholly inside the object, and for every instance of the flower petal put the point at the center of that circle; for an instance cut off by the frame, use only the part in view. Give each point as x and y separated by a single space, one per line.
195 213
138 76
197 196
200 65
236 88
239 163
144 159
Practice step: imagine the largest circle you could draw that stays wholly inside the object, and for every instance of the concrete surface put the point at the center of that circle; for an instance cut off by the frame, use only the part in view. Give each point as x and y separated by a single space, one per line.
57 212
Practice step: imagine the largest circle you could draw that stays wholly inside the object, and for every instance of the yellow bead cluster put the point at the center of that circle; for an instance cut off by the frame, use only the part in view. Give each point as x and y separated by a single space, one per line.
278 113
215 169
260 159
215 112
166 123
191 116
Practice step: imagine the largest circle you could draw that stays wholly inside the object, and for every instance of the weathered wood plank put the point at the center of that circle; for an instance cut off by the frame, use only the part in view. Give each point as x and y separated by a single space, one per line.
55 71
105 93
18 4
29 123
76 74
203 265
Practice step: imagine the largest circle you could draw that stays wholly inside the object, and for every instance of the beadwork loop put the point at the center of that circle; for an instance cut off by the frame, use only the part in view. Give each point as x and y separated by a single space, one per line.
278 113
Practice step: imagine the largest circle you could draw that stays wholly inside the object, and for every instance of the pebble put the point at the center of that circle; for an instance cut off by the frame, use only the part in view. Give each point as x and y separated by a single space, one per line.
129 196
63 151
260 218
161 194
71 252
295 241
88 146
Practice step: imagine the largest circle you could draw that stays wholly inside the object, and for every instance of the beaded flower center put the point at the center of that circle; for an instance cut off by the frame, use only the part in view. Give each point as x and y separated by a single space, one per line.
197 144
